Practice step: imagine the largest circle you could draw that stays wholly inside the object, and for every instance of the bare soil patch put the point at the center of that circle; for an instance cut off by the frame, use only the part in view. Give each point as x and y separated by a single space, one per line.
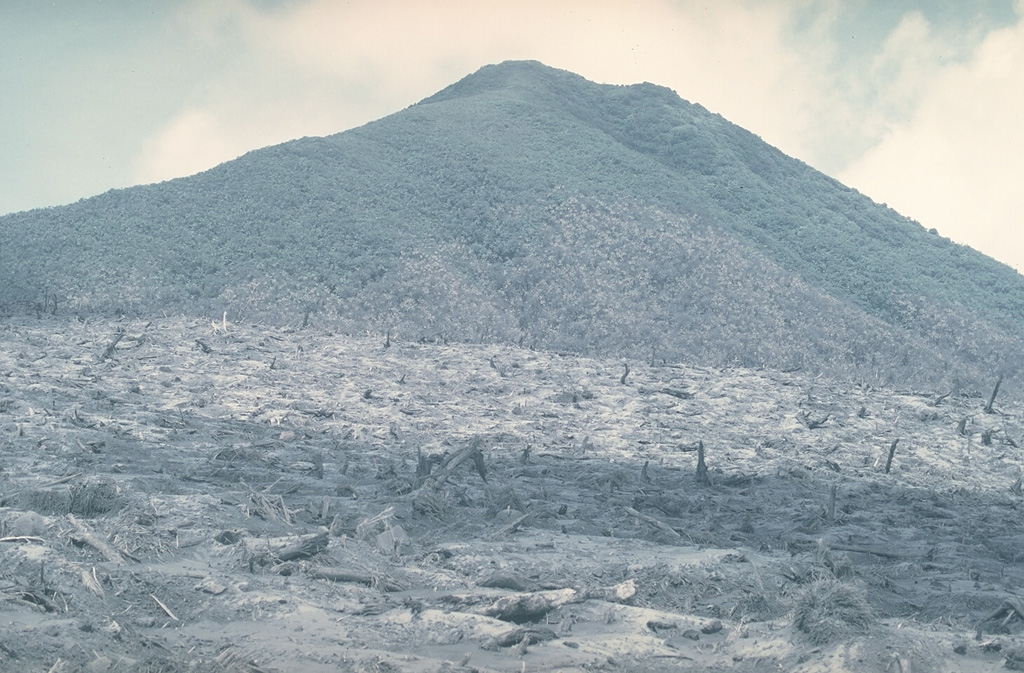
175 496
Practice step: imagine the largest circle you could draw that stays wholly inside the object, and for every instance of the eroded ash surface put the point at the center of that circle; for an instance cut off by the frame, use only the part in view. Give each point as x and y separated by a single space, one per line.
259 499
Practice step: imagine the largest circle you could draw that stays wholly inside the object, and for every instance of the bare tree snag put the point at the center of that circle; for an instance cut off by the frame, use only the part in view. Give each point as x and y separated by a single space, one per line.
468 452
387 340
702 468
423 467
961 427
832 502
814 424
112 346
622 381
478 462
892 452
515 525
992 400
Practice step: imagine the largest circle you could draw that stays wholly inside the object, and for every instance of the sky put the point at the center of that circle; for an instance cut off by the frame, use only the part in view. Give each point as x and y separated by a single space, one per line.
918 104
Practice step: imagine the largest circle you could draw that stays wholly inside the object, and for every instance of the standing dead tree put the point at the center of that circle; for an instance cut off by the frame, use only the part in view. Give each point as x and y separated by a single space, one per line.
469 452
892 452
992 400
702 468
112 346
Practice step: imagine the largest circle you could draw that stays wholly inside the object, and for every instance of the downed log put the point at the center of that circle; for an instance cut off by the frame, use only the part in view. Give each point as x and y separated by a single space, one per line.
529 607
514 526
355 577
110 553
1011 607
506 580
660 525
516 636
870 550
22 538
619 593
303 548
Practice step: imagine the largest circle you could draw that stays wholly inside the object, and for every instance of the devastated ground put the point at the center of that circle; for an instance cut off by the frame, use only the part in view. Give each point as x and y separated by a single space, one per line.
178 495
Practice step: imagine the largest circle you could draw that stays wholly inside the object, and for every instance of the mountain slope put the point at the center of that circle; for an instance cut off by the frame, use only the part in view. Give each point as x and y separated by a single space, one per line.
526 203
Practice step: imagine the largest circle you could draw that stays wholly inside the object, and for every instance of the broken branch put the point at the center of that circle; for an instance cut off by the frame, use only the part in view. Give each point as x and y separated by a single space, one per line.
166 609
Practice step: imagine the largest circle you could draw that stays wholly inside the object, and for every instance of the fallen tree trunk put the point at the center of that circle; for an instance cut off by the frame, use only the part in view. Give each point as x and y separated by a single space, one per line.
306 547
85 535
355 577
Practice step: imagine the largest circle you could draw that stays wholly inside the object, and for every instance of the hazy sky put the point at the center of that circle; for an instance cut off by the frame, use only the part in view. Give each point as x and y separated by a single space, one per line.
919 104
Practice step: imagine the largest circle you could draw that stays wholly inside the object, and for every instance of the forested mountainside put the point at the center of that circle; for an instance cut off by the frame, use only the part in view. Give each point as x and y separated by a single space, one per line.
526 204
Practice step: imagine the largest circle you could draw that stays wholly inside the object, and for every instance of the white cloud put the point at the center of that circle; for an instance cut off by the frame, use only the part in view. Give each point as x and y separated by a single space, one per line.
191 142
956 164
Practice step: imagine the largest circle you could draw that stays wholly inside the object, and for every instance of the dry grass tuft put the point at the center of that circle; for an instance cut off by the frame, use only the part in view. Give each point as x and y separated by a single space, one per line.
86 499
828 610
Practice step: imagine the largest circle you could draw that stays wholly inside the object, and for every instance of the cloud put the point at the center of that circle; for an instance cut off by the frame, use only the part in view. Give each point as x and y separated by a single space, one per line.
191 142
956 163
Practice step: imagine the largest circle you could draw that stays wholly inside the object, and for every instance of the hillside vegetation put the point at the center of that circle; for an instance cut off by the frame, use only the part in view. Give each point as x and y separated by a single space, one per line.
525 204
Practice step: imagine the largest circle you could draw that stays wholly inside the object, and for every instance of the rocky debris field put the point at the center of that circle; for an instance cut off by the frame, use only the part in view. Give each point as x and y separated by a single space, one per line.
178 495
